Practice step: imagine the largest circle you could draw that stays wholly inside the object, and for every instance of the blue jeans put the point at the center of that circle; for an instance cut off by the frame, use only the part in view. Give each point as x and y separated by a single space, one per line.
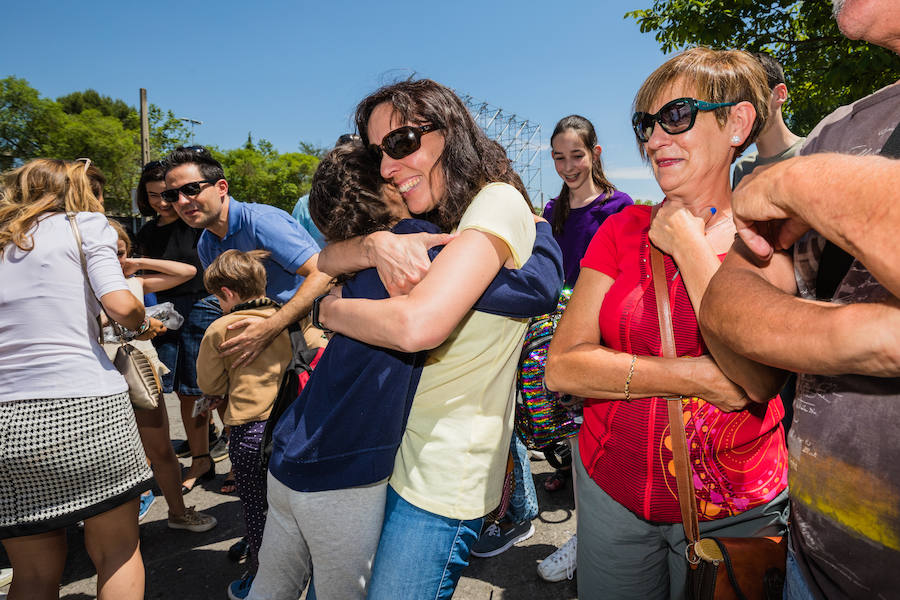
420 555
523 505
795 586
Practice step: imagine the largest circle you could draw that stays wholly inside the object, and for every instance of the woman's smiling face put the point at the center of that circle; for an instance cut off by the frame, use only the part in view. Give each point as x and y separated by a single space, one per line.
418 176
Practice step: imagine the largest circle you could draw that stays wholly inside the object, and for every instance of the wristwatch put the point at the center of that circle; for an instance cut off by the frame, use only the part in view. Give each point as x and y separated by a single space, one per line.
315 314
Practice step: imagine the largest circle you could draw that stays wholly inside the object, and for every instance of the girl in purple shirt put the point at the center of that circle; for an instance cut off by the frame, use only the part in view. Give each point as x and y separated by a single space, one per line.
586 199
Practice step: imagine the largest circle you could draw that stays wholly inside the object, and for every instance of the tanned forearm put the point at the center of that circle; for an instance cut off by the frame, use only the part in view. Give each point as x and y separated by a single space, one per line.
760 382
743 310
315 284
849 200
347 256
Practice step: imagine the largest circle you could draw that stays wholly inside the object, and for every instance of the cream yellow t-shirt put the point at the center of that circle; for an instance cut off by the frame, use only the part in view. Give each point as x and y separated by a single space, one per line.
452 457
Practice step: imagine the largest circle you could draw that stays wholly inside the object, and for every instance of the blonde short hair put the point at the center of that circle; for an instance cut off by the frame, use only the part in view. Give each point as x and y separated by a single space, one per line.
241 272
716 76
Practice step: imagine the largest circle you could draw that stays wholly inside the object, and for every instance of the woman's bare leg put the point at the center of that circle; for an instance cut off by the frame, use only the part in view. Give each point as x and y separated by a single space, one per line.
197 431
112 542
37 562
153 426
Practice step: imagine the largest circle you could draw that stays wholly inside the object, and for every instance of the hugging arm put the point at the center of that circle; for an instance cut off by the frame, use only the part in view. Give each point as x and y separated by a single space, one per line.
426 316
532 290
746 309
401 260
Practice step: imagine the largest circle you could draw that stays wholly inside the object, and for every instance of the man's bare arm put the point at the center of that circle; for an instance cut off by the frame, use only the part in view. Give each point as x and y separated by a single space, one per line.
752 312
260 332
851 200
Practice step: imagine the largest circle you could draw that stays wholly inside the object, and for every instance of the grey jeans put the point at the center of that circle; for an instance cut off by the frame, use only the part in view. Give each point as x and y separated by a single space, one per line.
336 532
620 555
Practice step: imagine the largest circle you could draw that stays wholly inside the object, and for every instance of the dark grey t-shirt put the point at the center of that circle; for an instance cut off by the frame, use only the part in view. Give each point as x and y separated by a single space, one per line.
747 164
844 447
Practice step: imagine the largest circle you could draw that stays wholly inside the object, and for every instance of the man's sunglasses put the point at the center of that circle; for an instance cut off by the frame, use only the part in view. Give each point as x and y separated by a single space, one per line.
189 189
674 117
402 141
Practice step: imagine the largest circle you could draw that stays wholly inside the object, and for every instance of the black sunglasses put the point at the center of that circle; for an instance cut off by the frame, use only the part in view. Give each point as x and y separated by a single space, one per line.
402 141
674 117
189 189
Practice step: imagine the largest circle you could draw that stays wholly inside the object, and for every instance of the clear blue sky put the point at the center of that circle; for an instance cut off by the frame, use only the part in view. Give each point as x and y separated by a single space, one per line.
291 71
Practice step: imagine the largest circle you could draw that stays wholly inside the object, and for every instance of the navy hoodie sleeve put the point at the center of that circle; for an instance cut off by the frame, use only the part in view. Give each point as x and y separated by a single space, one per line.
518 293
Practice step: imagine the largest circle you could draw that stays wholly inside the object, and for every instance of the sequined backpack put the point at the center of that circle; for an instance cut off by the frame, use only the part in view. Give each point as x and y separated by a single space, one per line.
543 418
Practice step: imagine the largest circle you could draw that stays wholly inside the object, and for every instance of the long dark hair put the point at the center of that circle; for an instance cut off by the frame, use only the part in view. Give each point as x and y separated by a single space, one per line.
154 170
470 159
585 131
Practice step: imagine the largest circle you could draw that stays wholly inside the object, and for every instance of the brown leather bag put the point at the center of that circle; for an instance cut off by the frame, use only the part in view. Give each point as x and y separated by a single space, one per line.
720 568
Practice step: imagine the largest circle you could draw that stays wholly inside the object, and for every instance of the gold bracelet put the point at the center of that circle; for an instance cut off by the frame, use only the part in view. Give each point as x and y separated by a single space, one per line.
628 379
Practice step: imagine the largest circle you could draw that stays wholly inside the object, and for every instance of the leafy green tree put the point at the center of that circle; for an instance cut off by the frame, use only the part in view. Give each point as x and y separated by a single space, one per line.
27 121
108 144
823 69
258 173
107 130
78 102
313 150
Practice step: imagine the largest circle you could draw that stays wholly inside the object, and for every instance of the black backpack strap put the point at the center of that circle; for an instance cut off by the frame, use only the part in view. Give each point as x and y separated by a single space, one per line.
834 264
289 389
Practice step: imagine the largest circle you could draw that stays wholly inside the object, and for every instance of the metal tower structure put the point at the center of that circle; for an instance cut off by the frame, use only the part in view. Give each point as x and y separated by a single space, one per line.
519 137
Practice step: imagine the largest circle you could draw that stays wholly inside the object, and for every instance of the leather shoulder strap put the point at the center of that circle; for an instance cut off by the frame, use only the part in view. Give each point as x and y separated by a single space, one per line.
686 498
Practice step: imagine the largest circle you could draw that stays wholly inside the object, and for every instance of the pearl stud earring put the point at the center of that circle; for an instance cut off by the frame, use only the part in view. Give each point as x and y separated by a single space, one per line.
735 139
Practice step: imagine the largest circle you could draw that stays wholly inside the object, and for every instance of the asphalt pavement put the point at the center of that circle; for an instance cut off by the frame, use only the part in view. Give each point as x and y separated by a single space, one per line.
195 566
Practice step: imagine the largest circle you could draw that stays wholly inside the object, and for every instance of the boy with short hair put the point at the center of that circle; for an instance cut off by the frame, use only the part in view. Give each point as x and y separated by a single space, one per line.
238 280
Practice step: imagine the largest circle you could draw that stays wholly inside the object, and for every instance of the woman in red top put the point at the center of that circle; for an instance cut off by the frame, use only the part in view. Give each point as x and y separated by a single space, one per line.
694 116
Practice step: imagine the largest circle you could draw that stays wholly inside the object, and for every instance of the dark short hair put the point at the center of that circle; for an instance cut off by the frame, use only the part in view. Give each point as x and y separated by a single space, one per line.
242 272
345 197
774 70
155 170
209 167
470 160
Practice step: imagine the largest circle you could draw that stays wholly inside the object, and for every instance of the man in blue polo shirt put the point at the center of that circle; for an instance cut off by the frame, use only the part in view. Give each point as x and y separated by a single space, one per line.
197 188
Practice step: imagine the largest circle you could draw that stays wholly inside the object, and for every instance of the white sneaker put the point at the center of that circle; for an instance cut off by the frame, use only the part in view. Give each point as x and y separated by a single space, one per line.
561 564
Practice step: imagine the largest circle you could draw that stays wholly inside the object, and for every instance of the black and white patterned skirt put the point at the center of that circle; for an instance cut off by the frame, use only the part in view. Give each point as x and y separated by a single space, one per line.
64 460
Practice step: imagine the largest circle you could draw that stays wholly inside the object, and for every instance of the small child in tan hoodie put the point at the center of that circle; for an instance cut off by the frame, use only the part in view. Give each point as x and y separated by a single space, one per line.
238 280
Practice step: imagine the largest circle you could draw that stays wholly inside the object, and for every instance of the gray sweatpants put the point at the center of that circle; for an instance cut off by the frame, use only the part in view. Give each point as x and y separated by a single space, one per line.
336 532
620 555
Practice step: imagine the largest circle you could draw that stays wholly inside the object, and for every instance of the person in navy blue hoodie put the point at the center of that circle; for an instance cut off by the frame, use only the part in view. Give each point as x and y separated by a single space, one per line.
334 447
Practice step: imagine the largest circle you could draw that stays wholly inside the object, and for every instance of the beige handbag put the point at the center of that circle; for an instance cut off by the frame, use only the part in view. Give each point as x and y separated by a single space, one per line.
139 373
144 389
